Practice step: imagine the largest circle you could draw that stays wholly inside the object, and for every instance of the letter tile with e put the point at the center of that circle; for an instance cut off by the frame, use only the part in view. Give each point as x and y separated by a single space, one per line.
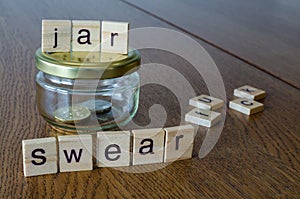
113 148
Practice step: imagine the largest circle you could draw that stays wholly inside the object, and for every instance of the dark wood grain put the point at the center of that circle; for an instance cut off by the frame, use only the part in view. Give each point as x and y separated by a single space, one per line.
255 157
263 33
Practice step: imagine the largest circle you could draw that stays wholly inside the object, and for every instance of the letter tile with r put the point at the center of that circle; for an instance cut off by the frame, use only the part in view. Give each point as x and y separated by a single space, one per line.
179 143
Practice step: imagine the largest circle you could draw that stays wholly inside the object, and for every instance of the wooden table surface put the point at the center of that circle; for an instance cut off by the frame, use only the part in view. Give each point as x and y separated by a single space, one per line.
255 43
264 34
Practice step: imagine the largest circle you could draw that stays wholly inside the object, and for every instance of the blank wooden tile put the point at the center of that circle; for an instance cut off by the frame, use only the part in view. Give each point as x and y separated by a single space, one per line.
249 92
75 153
113 148
114 37
246 106
56 35
148 146
206 102
85 35
179 143
203 117
39 156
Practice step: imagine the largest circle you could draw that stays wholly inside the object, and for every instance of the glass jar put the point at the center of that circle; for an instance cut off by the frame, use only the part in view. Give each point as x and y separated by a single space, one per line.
87 92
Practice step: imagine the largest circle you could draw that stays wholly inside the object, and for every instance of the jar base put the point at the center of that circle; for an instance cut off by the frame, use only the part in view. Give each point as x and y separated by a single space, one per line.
58 128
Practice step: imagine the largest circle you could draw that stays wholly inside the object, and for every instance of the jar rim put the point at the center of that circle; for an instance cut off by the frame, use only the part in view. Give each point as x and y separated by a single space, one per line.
87 65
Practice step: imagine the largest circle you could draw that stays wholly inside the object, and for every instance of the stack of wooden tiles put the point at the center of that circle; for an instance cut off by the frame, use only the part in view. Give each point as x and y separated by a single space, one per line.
204 114
246 103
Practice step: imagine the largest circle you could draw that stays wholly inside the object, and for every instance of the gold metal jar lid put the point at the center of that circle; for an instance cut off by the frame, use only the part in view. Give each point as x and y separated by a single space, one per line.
87 65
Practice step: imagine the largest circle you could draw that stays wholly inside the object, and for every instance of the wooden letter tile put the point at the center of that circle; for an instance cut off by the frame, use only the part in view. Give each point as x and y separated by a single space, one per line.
113 148
246 106
75 153
39 156
179 143
206 102
203 117
249 92
114 37
56 35
85 35
148 146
